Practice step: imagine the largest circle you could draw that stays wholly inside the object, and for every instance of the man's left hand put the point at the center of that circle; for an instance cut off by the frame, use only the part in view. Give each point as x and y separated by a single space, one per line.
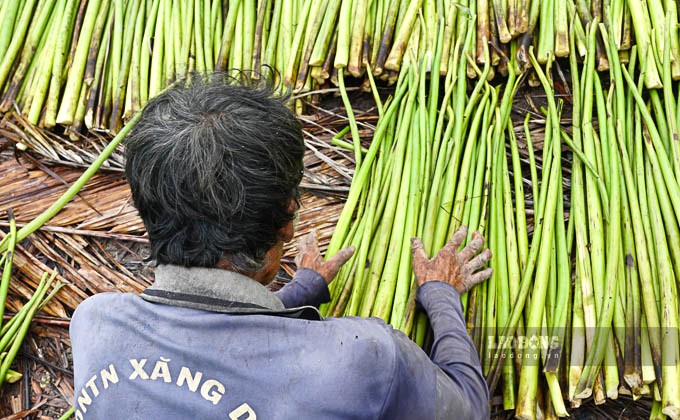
310 257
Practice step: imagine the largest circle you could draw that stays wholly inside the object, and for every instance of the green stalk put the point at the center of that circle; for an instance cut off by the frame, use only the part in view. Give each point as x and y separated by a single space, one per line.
18 340
119 19
359 17
592 290
632 374
144 53
75 74
670 390
115 123
285 35
60 56
41 84
273 38
169 59
546 36
133 92
249 9
500 12
199 56
532 162
158 52
660 120
323 40
401 39
386 38
376 31
259 43
10 11
377 200
559 321
103 106
208 35
356 140
11 239
479 197
187 32
578 208
520 208
670 105
177 39
578 343
344 35
508 270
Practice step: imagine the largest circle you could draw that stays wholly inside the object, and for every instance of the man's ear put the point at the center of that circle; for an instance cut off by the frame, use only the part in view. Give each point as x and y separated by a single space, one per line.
286 232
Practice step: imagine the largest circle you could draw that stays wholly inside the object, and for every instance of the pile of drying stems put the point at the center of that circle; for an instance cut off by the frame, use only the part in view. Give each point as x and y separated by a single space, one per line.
579 306
13 331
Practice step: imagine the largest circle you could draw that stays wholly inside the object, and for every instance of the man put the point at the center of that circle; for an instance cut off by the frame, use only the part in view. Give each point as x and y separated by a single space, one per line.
214 169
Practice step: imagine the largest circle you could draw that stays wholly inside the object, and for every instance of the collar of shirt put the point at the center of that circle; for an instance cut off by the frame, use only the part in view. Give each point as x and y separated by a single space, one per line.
210 289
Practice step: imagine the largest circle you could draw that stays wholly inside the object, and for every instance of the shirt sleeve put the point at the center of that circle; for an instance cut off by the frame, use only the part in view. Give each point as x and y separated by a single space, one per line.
451 379
308 288
453 350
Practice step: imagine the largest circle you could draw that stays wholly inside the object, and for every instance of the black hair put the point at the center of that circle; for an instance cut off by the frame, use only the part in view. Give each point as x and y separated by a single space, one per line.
213 165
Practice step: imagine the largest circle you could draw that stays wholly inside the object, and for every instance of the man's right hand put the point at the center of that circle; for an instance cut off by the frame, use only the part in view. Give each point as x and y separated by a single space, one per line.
459 269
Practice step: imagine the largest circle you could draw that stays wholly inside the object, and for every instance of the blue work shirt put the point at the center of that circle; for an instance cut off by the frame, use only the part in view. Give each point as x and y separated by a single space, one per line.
209 343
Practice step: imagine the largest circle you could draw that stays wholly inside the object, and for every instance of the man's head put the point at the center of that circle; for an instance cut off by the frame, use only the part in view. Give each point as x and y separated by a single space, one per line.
214 169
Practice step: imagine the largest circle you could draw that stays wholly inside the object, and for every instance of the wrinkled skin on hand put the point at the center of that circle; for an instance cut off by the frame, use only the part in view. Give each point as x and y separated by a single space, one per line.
310 257
459 269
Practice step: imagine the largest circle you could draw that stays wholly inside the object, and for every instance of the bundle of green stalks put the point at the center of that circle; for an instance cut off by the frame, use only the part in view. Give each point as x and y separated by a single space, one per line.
409 183
583 300
91 64
596 314
13 332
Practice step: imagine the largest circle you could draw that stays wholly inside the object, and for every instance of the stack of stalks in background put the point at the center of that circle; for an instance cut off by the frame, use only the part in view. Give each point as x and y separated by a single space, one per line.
94 63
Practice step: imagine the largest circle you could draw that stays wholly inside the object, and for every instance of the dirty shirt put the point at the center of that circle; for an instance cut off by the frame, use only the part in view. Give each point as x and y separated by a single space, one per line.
212 344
